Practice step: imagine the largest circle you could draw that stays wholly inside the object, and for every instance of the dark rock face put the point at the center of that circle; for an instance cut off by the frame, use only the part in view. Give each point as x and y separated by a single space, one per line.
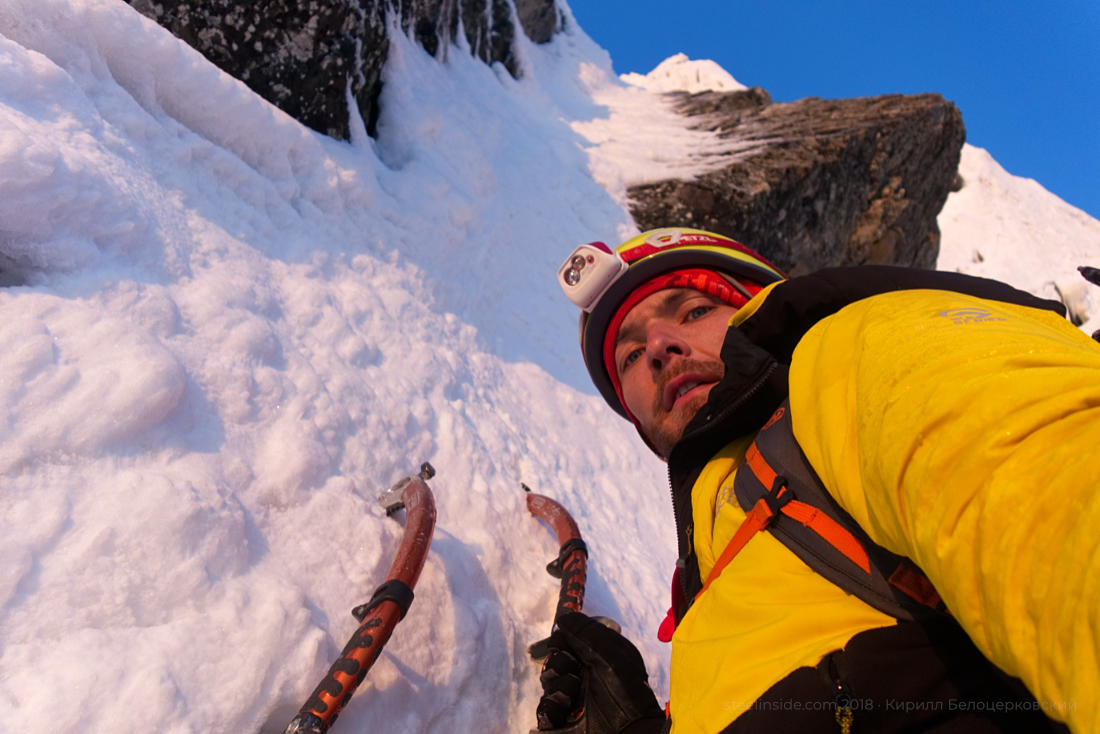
300 55
490 41
819 182
306 56
540 19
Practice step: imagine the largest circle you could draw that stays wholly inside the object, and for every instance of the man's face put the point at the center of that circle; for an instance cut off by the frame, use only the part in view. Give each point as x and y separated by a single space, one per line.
667 356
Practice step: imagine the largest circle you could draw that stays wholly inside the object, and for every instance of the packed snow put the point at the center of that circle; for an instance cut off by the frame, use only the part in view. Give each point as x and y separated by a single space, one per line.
1012 229
225 334
678 73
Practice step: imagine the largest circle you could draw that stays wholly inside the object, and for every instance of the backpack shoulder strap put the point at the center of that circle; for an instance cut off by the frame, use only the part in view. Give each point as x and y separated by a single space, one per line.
780 492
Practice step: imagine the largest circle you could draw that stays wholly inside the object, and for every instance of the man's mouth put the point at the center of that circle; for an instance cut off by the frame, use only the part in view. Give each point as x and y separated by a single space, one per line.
681 386
685 388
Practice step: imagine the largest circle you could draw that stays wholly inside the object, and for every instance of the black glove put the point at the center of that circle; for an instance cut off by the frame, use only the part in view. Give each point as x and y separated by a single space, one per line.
594 682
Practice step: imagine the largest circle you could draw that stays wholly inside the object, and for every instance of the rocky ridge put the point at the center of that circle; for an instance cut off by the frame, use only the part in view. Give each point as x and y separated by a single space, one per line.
816 182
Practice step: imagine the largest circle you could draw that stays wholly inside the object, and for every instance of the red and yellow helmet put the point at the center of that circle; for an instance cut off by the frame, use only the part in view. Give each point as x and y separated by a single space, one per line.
600 281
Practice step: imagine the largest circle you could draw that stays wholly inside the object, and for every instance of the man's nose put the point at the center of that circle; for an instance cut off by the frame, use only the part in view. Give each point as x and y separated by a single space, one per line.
663 343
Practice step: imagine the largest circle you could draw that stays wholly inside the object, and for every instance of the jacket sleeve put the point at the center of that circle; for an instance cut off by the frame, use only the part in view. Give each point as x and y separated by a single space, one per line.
965 434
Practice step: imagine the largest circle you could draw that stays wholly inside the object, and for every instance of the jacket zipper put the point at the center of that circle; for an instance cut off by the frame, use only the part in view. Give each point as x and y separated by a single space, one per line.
842 695
682 561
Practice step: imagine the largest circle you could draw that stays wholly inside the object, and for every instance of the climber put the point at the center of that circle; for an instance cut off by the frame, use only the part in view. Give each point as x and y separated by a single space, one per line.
885 490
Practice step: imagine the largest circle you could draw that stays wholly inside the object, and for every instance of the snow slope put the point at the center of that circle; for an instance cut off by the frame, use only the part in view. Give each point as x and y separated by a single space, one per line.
1012 229
228 334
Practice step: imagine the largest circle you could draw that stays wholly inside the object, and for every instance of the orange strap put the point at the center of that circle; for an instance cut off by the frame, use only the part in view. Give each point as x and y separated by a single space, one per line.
757 519
760 468
761 514
833 532
913 582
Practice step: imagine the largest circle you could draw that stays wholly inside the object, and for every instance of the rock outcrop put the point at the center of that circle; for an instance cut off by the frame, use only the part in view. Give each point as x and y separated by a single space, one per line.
819 182
307 57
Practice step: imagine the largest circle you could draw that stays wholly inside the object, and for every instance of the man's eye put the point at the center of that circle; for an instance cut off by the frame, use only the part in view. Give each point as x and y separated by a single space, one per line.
698 312
630 358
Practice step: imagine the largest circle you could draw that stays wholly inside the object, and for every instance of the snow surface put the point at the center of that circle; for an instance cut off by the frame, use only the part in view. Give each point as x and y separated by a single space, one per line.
1012 229
227 334
678 73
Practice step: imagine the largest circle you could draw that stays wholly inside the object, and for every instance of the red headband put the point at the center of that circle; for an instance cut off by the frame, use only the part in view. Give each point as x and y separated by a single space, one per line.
700 279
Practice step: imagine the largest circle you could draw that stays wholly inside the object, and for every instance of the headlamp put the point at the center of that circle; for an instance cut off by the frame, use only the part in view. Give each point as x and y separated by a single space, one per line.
588 272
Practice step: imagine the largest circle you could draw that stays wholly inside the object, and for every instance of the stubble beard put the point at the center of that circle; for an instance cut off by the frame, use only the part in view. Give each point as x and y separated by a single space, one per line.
667 433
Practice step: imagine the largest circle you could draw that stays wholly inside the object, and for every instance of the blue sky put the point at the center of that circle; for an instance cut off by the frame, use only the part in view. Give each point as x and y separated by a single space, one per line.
1026 75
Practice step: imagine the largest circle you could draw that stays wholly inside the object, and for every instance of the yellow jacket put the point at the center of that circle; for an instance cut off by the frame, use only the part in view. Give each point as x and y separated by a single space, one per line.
961 432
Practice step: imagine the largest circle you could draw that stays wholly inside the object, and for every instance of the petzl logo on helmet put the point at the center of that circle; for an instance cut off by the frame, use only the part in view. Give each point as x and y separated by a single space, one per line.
664 238
660 240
